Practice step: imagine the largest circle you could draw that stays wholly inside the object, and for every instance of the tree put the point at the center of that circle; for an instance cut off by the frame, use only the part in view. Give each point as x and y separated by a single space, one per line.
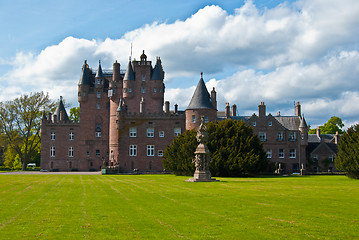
333 125
347 158
235 150
20 123
75 114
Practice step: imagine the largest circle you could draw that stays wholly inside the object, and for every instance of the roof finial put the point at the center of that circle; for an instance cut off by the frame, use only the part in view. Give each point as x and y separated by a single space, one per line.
60 98
201 74
99 62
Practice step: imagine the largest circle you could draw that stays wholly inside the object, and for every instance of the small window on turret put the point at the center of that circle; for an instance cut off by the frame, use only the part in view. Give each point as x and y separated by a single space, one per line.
98 94
83 94
143 90
98 81
143 77
155 90
130 90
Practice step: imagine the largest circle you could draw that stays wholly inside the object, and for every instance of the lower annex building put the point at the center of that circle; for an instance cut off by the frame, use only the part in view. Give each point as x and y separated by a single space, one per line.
125 122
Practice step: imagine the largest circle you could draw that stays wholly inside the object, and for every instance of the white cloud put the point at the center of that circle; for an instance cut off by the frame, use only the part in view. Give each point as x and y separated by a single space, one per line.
306 51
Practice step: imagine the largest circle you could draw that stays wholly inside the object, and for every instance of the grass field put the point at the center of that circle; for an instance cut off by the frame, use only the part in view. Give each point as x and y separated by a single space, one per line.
166 207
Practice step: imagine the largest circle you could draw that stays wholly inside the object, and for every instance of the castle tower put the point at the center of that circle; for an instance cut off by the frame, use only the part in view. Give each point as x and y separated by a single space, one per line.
115 95
84 83
60 114
141 81
200 105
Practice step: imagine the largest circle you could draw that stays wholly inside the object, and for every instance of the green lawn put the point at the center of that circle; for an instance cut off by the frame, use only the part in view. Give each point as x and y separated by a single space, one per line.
166 207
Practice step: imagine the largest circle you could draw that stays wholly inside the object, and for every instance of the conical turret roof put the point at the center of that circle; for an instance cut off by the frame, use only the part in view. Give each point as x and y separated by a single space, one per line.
129 75
84 79
157 73
303 123
61 107
99 73
201 98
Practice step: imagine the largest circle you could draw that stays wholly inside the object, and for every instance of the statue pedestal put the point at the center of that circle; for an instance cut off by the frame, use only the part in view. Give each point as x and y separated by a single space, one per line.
202 176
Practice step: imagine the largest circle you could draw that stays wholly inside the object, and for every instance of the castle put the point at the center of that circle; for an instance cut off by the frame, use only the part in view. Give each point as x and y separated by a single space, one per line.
125 123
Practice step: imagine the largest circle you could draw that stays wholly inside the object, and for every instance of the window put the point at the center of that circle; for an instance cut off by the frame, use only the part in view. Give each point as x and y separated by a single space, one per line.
133 132
161 133
52 151
98 105
150 150
331 158
193 118
155 90
143 77
87 154
133 150
206 119
98 94
52 136
150 132
177 131
270 124
280 136
71 151
269 153
130 90
143 90
281 153
84 94
262 136
315 158
254 124
98 153
98 81
160 153
98 130
292 136
71 136
291 153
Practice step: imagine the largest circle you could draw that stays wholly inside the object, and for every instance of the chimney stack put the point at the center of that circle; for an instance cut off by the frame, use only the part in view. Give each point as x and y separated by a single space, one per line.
262 110
176 108
234 110
298 110
318 132
167 107
214 98
227 111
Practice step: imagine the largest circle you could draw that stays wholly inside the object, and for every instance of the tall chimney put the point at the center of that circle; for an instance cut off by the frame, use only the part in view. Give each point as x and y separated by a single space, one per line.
227 111
318 132
167 107
214 98
298 111
176 108
336 137
234 110
262 110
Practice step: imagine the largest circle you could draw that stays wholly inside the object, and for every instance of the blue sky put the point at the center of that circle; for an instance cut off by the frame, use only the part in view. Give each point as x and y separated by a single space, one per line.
251 51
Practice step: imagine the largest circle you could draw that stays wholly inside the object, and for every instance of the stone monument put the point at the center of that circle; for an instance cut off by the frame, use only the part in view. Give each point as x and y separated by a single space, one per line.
202 158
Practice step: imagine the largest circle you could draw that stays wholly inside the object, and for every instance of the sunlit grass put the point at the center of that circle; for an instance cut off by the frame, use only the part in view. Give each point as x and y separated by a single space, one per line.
167 207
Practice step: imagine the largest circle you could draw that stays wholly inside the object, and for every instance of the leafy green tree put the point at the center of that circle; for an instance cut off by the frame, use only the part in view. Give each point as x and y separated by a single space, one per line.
347 158
20 123
178 156
235 150
75 114
334 124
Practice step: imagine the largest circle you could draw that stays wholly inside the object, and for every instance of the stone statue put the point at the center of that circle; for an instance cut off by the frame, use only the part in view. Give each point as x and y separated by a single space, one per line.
202 159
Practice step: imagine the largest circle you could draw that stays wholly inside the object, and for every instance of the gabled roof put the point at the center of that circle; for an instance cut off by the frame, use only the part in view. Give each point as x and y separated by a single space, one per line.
157 73
201 98
289 122
129 75
99 73
84 79
61 107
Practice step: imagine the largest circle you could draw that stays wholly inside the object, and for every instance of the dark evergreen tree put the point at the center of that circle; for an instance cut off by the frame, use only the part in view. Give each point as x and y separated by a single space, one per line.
235 150
347 158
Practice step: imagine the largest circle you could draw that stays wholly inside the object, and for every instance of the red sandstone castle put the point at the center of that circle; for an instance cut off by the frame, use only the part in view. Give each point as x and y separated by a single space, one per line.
123 123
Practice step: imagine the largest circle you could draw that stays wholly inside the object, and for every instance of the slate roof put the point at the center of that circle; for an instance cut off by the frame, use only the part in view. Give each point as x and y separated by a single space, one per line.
303 123
201 98
130 74
289 122
157 73
99 73
84 79
60 108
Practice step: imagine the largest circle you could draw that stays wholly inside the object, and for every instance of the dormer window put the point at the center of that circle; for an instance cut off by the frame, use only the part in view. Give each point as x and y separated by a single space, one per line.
270 124
254 124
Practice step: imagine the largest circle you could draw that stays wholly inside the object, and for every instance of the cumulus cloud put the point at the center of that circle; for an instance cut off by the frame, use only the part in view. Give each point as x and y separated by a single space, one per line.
303 51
